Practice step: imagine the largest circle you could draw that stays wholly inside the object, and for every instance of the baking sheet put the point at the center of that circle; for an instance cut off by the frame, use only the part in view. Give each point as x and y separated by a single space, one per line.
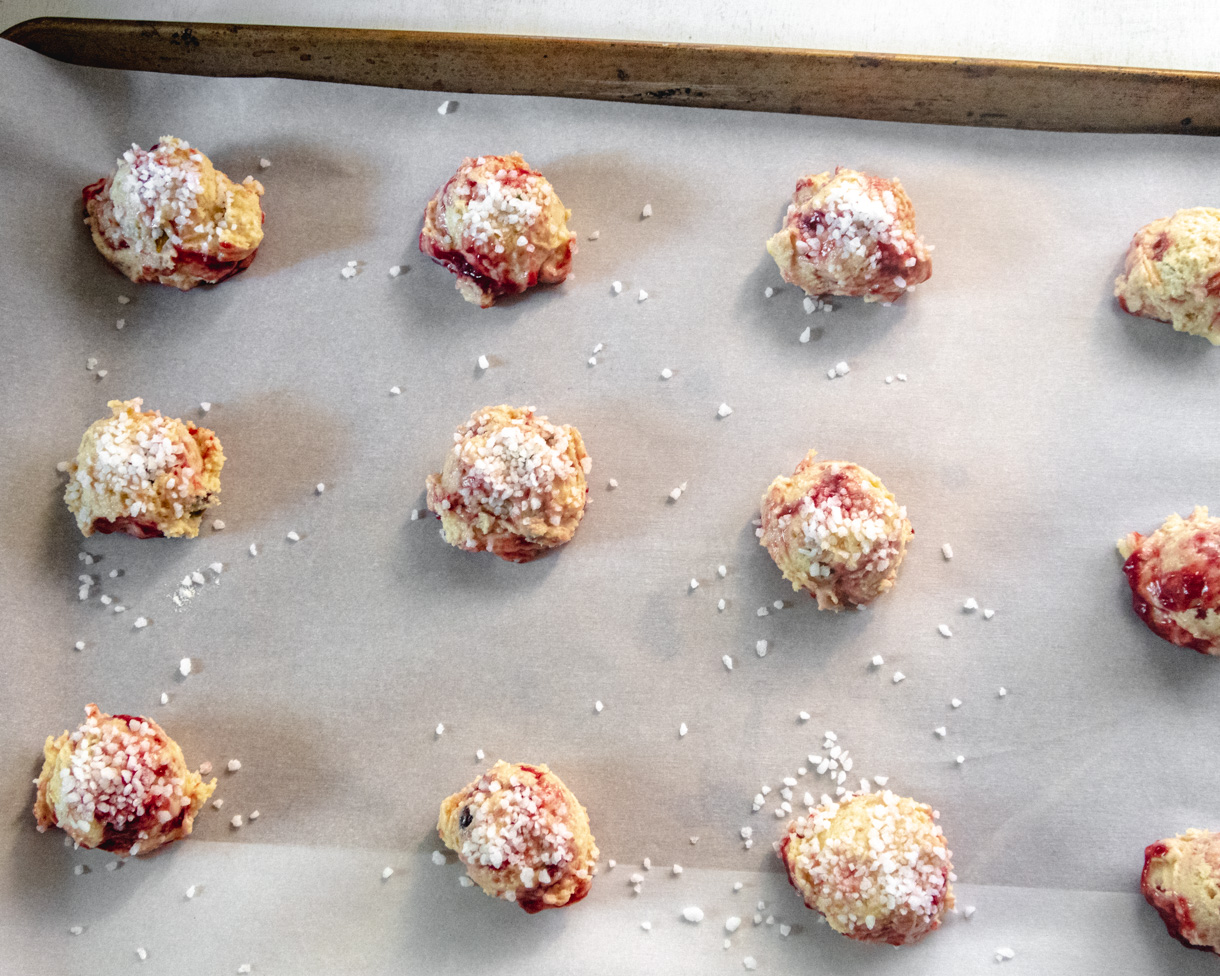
1037 425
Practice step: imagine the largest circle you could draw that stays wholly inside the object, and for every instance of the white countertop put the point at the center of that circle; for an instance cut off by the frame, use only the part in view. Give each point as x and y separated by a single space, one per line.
1140 33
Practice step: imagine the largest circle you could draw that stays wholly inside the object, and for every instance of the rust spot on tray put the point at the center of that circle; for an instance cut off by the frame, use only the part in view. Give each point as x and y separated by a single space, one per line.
186 38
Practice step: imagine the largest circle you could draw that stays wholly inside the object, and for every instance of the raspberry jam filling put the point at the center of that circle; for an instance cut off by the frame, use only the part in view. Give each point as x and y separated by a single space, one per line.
140 528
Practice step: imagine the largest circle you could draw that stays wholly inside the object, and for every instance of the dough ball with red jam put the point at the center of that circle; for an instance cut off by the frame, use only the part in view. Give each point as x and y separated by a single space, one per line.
834 530
522 836
118 783
167 215
851 233
1181 880
143 474
1174 576
875 865
1172 272
499 226
513 485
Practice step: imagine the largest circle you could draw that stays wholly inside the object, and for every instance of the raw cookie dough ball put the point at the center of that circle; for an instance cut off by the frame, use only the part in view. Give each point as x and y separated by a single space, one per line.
1172 272
851 233
118 783
874 865
167 215
513 485
143 474
1181 880
1174 576
498 226
834 530
522 836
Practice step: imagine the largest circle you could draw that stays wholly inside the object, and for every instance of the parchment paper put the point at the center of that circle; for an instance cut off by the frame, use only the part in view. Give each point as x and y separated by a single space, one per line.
1038 424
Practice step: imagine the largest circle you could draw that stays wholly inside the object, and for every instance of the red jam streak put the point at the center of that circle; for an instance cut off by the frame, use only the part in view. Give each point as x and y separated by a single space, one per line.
1160 246
131 526
1154 596
1173 909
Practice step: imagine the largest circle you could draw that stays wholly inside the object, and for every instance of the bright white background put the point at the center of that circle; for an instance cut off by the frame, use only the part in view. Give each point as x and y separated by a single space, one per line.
1150 33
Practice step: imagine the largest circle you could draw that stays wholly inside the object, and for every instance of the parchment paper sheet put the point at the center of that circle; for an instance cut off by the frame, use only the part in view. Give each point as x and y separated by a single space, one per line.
1038 425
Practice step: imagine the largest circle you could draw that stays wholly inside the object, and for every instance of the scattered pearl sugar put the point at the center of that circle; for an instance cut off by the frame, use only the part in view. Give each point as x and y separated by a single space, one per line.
218 525
877 661
988 614
253 548
440 729
142 953
1003 692
682 730
164 698
320 487
236 821
720 604
969 911
192 891
647 211
956 702
728 662
732 923
806 334
941 731
243 968
960 760
1003 954
803 716
693 913
899 676
761 648
612 484
483 363
842 368
415 515
616 287
78 870
676 494
264 163
386 872
667 373
80 645
737 886
778 604
889 379
234 765
762 611
723 410
447 107
694 840
785 930
881 780
902 377
598 706
465 882
947 551
694 583
480 755
970 605
120 323
293 536
677 869
438 858
254 815
76 929
395 271
123 299
216 568
646 926
141 623
205 768
643 295
944 630
184 666
750 962
722 571
394 391
595 235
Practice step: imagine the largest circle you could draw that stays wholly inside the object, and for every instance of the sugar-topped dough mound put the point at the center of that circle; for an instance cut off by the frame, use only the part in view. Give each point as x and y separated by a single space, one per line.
513 485
522 836
851 233
167 215
500 227
1181 880
118 783
1172 272
1174 576
143 474
834 530
875 865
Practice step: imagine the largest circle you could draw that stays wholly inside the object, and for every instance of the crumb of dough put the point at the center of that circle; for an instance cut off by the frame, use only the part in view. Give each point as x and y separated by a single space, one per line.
1174 575
851 233
513 485
522 836
167 215
835 531
118 783
1172 272
1180 880
500 227
143 474
875 865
